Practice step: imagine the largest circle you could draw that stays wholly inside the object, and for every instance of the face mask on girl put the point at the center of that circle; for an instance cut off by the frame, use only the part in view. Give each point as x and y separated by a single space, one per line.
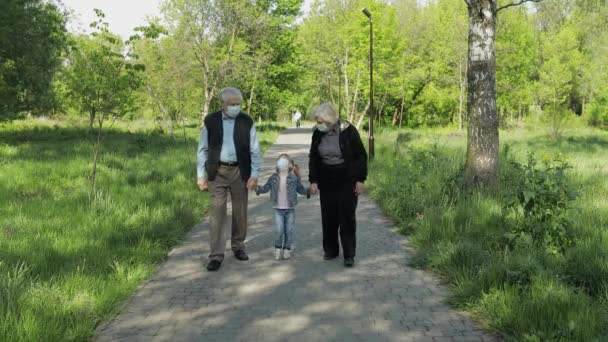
233 111
283 164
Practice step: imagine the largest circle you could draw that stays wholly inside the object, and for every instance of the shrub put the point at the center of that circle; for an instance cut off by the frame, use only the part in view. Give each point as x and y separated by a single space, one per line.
535 207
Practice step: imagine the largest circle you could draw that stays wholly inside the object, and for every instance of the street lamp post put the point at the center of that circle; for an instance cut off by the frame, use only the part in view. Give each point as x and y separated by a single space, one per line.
339 85
371 82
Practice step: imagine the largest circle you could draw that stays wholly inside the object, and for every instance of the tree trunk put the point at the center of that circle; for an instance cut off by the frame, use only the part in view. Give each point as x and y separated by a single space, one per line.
461 94
395 116
206 104
519 117
96 151
583 108
252 92
345 73
353 110
91 120
360 122
481 168
331 91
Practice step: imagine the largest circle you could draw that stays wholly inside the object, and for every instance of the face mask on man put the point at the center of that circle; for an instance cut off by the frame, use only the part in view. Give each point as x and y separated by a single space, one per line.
283 164
323 127
233 111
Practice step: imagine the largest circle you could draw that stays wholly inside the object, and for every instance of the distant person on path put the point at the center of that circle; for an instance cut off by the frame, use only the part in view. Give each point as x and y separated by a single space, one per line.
229 161
284 187
337 169
297 117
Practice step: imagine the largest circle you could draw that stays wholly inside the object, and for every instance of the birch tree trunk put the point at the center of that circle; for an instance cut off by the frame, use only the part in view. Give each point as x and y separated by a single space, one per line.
481 167
362 116
461 94
346 85
354 104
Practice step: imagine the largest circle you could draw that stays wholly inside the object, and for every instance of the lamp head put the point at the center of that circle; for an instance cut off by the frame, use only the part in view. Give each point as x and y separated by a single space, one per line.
366 12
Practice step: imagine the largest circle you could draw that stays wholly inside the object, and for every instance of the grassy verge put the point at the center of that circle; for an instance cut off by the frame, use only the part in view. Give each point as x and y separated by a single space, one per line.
518 286
68 257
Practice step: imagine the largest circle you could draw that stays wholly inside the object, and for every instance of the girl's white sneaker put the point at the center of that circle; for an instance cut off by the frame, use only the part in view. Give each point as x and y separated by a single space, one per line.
286 254
277 254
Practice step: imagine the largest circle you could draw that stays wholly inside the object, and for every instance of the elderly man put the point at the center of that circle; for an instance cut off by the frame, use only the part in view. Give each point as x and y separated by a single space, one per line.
228 162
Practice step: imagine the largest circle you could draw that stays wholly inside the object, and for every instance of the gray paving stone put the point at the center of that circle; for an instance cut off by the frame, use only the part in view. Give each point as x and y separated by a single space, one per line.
301 299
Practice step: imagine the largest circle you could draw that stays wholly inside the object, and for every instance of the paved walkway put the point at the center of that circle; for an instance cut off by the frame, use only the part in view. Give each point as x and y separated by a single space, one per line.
302 299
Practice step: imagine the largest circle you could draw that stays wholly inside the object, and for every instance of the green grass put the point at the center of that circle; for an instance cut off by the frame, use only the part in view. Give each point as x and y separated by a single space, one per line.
68 257
522 291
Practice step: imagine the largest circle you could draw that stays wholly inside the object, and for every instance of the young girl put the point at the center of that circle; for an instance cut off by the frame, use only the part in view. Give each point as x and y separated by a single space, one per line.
284 187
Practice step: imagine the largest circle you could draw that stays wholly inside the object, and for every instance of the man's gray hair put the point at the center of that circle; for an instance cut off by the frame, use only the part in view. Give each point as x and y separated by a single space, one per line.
229 93
326 112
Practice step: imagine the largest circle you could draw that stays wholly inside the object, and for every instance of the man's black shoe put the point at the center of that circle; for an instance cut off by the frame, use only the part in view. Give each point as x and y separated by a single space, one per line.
214 265
241 255
329 257
349 262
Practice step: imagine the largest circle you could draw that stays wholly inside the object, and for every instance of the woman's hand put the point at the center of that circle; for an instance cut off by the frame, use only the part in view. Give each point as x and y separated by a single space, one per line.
314 188
359 187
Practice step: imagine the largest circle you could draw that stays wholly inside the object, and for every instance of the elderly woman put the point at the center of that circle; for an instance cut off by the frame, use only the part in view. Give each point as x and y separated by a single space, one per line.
338 169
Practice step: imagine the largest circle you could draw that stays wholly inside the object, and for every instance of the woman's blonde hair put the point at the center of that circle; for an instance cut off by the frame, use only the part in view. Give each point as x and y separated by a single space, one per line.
326 112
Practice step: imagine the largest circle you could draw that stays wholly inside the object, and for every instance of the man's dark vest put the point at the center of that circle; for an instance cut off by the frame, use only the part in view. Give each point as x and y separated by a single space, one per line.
215 131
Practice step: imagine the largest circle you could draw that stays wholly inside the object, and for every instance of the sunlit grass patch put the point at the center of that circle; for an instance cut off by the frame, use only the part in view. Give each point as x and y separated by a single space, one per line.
69 256
516 285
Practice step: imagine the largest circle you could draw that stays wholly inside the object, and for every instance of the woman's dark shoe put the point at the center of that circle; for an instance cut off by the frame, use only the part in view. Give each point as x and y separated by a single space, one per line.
241 255
349 262
329 257
214 265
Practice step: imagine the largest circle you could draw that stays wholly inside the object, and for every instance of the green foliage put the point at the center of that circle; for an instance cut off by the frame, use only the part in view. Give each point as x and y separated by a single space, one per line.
32 39
538 202
519 286
598 113
247 44
99 80
67 259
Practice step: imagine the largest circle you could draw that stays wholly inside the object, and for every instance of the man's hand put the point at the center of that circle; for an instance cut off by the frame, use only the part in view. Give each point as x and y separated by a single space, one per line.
252 183
314 188
359 187
202 183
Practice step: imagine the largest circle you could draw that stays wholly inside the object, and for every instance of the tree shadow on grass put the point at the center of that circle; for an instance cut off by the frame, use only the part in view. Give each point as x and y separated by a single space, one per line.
60 144
567 144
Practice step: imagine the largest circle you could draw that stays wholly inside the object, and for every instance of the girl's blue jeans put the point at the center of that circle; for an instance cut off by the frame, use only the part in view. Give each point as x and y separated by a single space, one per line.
284 220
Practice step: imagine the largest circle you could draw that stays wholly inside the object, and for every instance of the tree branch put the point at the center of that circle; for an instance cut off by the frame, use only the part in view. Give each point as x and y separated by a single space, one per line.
516 4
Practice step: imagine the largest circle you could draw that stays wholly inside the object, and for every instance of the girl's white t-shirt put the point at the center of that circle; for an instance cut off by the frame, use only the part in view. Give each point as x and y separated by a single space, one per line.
282 200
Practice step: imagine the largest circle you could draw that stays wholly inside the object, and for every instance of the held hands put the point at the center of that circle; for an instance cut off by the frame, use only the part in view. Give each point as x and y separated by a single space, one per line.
252 184
359 188
314 188
203 184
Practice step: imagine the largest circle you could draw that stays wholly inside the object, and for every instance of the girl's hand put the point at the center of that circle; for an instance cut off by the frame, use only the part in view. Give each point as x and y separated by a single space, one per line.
359 187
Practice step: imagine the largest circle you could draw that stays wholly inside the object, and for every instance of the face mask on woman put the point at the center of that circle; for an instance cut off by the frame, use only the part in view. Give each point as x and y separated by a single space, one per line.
283 164
323 127
233 111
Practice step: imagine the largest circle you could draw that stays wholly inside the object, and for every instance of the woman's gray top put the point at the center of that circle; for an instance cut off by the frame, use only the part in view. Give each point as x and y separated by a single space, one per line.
329 146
